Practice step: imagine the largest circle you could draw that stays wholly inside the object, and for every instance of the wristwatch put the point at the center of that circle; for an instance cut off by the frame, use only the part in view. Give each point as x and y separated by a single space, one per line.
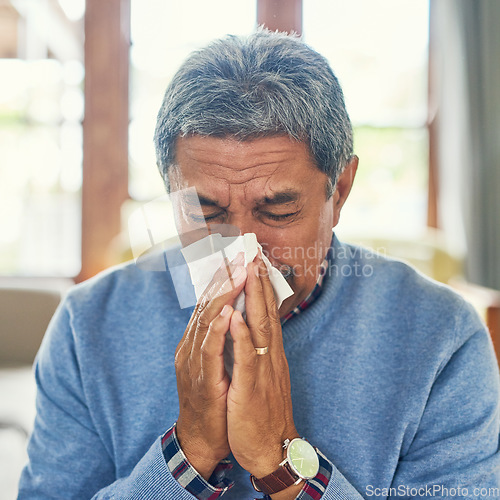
301 462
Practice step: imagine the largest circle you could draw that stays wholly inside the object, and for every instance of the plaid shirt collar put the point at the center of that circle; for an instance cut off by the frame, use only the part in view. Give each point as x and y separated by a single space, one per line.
316 291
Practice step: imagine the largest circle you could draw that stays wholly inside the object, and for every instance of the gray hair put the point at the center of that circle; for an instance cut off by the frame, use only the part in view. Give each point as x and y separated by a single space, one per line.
266 84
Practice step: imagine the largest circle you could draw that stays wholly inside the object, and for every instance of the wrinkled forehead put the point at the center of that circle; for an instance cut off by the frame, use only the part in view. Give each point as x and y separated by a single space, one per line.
236 146
259 168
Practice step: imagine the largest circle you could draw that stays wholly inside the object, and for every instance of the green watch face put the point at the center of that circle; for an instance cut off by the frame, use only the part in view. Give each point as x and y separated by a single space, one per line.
303 458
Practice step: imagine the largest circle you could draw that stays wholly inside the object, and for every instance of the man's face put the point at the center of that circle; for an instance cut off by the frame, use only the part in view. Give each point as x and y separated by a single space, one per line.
270 187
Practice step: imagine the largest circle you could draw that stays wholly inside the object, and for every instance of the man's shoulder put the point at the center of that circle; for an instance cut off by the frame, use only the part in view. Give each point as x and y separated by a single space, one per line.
406 293
137 281
120 278
391 274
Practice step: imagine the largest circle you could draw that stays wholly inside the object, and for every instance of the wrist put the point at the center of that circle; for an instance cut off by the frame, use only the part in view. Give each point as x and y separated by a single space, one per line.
300 463
203 467
289 493
204 464
269 461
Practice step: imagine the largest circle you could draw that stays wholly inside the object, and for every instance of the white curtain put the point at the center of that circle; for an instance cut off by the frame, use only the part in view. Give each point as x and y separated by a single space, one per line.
465 78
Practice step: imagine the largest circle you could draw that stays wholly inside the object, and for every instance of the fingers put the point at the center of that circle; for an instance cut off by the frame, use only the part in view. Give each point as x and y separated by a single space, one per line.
224 287
255 304
245 357
271 303
225 272
268 290
219 296
212 347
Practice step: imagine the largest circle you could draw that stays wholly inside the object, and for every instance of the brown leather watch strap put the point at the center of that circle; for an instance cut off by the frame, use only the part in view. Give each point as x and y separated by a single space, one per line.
278 480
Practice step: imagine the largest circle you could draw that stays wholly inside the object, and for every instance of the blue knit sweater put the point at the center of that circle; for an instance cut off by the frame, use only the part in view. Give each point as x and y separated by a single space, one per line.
393 378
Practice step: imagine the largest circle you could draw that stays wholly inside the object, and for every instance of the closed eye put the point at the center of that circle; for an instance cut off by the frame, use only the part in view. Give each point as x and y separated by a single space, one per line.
204 218
280 217
269 215
212 217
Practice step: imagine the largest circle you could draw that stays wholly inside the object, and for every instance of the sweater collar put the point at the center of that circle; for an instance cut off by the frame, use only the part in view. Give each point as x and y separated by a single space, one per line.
323 303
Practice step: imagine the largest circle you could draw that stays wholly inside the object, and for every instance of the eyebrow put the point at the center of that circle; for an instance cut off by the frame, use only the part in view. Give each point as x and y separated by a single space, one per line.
195 200
208 202
279 198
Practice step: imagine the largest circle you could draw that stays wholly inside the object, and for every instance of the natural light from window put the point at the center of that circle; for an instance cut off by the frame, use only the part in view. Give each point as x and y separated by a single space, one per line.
378 50
163 35
41 110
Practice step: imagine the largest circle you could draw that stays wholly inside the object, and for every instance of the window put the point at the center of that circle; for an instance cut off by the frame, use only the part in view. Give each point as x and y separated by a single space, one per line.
41 108
163 34
378 50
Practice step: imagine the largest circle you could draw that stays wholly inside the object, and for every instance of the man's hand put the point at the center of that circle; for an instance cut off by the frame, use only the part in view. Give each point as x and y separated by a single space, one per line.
259 402
202 382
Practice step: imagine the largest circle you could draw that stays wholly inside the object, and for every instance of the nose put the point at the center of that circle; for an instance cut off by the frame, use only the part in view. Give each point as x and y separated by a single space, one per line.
249 224
243 223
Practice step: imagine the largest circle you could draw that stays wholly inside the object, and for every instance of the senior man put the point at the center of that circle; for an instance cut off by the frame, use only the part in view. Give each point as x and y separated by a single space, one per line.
370 380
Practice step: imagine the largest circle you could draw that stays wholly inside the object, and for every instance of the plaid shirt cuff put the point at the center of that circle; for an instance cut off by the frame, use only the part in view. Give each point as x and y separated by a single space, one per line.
187 476
314 488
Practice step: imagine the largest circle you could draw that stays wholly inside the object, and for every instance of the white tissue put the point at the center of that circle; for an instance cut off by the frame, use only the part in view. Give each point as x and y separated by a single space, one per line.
205 256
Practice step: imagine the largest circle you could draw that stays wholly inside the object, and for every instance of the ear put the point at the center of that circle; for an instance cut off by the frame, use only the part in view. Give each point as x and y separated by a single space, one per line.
343 187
